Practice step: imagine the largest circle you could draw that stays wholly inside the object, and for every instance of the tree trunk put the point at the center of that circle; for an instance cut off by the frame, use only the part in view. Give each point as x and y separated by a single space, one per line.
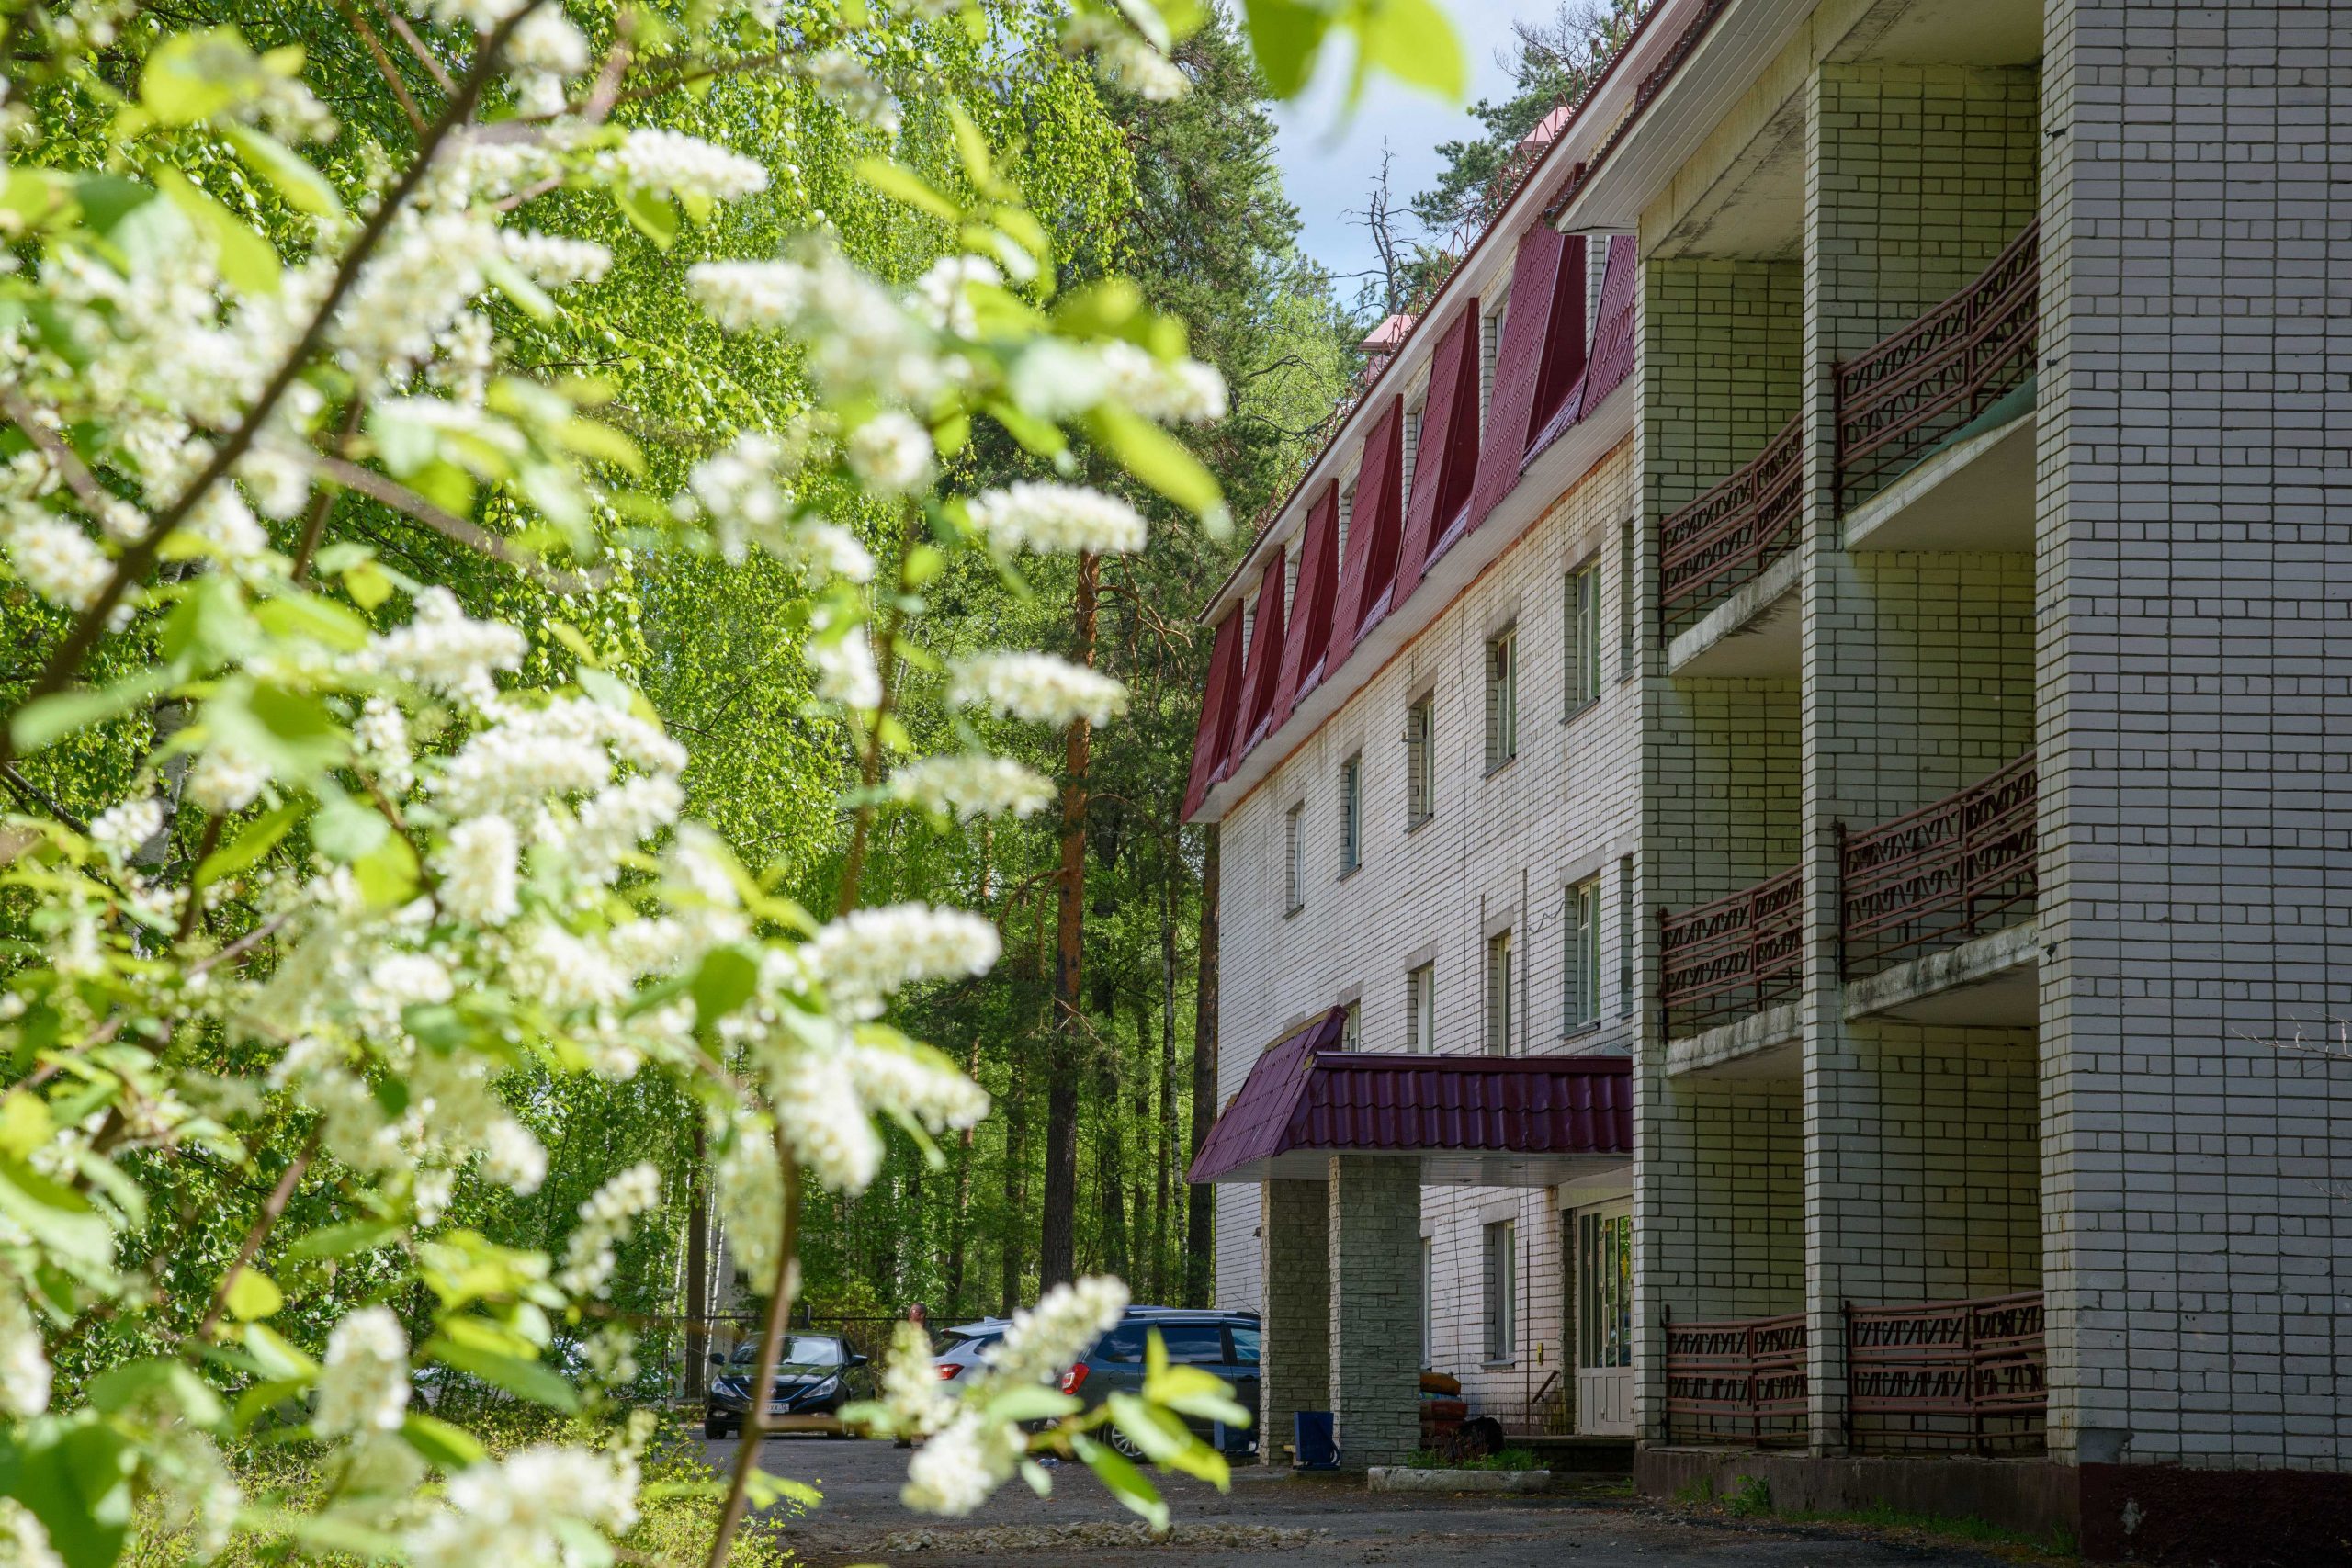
1166 1141
1057 1255
1198 1240
958 1221
1016 1186
699 1266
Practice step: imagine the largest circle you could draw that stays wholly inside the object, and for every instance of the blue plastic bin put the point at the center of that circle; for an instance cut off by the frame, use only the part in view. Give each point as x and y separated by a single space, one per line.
1312 1433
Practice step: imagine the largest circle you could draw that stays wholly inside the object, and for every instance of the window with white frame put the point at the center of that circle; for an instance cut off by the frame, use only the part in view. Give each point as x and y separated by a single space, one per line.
1290 581
1420 1008
1490 350
1351 814
1346 510
1503 699
1421 764
1580 960
1499 980
1248 628
1412 453
1352 1027
1582 642
1502 1291
1294 864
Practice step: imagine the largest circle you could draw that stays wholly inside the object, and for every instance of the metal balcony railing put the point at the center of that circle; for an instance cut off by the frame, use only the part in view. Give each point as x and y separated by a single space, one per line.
1900 397
1735 1380
1970 1374
1945 874
1735 955
1730 535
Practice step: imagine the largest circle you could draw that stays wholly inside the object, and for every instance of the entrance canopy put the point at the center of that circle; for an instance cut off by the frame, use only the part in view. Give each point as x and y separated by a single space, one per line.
1469 1121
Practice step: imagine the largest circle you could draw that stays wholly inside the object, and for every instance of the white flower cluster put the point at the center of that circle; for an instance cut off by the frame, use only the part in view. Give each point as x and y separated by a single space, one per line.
670 163
844 661
379 744
555 259
750 1196
1045 1339
120 829
23 1540
867 954
363 1386
1185 392
222 781
1039 687
480 881
442 648
744 295
24 1369
1047 518
743 492
918 1083
606 1220
939 295
844 81
891 452
830 1129
861 342
1123 58
912 1389
972 784
528 1509
56 559
962 1465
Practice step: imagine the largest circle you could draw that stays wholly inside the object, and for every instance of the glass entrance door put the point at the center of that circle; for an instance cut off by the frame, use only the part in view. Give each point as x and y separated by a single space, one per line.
1605 1319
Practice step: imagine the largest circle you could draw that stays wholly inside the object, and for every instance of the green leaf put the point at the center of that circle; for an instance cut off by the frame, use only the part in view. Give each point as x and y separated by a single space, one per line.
171 1383
58 1216
1158 459
344 1240
41 723
254 1295
528 296
387 874
211 624
1412 40
1197 1394
767 1489
346 830
1286 36
255 840
78 1485
524 1378
724 981
245 258
25 1122
1128 1484
651 216
367 583
321 620
972 149
277 1360
302 187
193 76
1032 1401
450 1447
902 183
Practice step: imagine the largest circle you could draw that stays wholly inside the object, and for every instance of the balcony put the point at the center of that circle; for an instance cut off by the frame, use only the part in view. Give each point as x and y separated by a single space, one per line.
1948 873
1736 1381
1728 536
1913 391
1932 1377
1736 955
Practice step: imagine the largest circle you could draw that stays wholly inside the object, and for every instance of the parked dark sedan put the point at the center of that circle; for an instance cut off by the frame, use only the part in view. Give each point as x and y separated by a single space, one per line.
810 1380
1222 1343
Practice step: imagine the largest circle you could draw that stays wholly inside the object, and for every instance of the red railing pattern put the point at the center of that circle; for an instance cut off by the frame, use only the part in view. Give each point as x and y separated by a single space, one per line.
1947 1374
1736 530
1736 1379
1946 872
1900 397
1735 955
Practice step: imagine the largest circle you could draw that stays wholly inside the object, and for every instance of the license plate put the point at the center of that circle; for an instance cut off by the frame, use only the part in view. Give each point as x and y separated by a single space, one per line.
779 1408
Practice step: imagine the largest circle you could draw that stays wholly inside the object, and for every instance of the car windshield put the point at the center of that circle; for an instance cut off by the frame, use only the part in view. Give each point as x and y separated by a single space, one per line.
802 1353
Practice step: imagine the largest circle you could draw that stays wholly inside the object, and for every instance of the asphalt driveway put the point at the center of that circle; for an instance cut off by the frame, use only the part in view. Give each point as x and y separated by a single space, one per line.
1300 1522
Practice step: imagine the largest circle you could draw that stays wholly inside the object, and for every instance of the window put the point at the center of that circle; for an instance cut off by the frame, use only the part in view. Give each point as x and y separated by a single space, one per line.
1582 642
1580 963
1198 1343
1123 1345
1290 583
1293 885
1626 938
1351 814
1499 994
1420 1008
1428 1304
1502 1291
1412 449
1490 348
1625 577
1421 772
1248 625
1605 1304
1502 700
1346 510
1352 1028
1245 1345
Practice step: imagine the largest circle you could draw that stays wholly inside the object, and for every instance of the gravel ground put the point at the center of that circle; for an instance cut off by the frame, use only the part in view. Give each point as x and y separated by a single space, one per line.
1301 1522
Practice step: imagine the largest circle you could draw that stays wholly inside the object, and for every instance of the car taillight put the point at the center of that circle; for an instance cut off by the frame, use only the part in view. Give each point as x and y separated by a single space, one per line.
949 1369
1073 1378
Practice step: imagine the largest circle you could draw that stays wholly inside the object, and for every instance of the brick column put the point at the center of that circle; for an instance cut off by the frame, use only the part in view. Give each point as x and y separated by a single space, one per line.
1294 1357
1375 1230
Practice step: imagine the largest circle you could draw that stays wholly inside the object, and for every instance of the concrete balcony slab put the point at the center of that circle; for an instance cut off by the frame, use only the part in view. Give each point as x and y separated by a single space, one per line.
1753 632
1767 1044
1976 494
1994 981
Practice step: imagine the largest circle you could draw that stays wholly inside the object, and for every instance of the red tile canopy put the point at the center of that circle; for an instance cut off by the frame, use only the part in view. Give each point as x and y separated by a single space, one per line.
1470 1121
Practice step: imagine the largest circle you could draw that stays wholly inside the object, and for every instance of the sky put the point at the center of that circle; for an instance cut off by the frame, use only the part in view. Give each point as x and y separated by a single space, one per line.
1328 165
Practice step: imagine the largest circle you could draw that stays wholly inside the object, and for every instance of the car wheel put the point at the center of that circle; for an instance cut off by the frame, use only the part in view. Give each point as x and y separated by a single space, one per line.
712 1427
1123 1445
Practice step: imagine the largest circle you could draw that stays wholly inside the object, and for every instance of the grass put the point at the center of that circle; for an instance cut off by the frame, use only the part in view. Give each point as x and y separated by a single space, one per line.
1510 1458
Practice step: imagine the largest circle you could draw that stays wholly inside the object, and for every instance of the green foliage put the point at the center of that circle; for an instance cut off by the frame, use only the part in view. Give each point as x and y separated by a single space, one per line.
1750 1497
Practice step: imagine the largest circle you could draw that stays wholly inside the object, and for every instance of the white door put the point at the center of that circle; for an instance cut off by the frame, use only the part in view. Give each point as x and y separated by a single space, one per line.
1605 1319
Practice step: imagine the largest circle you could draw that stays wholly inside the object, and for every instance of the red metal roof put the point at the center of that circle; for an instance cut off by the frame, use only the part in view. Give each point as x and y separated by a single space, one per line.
1305 1094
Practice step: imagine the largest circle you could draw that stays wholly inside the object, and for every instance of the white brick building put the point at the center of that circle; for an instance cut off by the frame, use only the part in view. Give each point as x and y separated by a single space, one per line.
1935 788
